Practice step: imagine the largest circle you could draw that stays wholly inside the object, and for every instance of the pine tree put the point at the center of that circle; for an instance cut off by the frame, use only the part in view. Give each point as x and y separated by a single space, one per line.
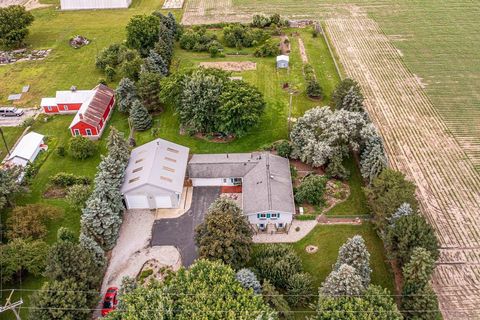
415 306
342 282
125 95
155 63
149 88
249 280
355 254
418 270
353 101
117 145
373 159
93 247
139 116
405 209
100 222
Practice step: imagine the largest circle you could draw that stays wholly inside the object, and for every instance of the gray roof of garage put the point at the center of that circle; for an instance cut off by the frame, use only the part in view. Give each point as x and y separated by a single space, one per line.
159 163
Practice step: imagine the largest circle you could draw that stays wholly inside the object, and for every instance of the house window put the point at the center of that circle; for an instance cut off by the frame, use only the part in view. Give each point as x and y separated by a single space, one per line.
268 215
275 215
261 226
49 108
76 132
89 132
65 107
280 225
261 216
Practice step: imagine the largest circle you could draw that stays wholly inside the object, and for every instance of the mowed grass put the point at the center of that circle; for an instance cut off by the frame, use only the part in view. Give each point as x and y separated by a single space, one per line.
11 135
66 66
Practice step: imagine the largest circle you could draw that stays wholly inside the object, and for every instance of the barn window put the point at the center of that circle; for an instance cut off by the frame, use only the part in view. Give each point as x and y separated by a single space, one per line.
168 169
170 159
172 150
133 180
137 169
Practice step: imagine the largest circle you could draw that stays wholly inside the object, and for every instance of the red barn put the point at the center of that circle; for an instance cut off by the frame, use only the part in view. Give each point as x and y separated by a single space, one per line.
93 114
66 101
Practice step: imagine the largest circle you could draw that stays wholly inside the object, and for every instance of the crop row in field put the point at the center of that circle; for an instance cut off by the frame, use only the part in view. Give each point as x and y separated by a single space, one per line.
419 144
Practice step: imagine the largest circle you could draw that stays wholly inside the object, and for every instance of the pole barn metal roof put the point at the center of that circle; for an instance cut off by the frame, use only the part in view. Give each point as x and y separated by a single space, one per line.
94 4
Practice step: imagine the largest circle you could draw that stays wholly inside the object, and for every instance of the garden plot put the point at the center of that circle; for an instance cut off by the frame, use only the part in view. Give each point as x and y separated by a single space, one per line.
419 144
173 4
231 65
29 4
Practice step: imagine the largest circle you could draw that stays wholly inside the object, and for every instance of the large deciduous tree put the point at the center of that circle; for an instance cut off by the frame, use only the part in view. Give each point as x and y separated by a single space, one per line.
354 253
14 23
225 234
9 186
142 33
241 106
29 222
311 190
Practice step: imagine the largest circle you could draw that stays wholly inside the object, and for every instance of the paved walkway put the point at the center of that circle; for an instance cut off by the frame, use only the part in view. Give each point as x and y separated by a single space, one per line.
291 236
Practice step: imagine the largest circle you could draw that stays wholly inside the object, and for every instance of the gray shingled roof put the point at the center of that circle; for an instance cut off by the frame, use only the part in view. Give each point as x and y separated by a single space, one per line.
159 163
267 183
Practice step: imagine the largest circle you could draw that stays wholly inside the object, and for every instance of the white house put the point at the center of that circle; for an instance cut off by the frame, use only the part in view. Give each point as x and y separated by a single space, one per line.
94 4
155 175
283 61
27 149
267 191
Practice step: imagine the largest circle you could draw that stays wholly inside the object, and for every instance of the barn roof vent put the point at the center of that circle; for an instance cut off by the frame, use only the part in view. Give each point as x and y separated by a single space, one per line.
73 88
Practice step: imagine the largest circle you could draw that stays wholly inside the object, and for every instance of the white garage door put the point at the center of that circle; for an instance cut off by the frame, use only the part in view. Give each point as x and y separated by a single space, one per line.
137 202
163 202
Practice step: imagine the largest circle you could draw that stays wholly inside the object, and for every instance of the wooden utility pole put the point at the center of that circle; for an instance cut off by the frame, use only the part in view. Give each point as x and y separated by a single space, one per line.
4 141
12 306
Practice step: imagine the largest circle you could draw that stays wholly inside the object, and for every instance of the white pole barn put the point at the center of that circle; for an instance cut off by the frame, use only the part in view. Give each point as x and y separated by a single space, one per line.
94 4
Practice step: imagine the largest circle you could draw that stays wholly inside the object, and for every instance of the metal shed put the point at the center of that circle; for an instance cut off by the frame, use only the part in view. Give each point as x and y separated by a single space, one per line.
282 62
94 4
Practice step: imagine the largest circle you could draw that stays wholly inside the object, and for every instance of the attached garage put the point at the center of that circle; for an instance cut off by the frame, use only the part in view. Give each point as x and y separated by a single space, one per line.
155 175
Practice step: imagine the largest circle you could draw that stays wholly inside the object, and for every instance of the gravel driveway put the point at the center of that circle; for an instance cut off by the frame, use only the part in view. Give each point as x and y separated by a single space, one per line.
17 121
179 232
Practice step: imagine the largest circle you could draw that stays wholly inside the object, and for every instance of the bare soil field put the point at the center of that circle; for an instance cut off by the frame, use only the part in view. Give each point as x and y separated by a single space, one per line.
173 4
419 144
231 66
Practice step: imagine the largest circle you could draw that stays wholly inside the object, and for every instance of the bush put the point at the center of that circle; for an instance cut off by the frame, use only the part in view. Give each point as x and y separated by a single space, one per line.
311 190
284 148
268 49
77 195
276 300
64 179
81 148
61 151
28 122
29 222
277 263
239 36
299 289
305 217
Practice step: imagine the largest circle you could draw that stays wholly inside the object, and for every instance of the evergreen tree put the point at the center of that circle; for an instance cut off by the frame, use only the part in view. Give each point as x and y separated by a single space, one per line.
314 90
417 272
117 145
299 289
353 100
276 300
165 50
405 209
355 254
249 280
225 234
423 305
155 63
100 222
148 88
342 89
139 116
125 95
373 159
93 247
344 281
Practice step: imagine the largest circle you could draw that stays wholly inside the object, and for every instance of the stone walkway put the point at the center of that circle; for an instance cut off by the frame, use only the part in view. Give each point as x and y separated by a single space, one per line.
291 236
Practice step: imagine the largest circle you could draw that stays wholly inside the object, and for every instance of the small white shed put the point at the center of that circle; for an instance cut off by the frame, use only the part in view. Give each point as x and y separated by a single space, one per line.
155 175
94 4
27 149
282 62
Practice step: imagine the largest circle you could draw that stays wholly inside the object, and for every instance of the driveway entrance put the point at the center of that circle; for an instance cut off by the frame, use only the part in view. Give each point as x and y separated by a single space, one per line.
180 232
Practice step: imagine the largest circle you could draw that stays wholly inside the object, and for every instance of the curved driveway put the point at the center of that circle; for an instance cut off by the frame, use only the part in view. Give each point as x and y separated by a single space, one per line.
180 232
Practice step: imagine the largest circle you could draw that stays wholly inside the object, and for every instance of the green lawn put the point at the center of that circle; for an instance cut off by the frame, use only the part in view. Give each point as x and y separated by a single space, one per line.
11 135
328 239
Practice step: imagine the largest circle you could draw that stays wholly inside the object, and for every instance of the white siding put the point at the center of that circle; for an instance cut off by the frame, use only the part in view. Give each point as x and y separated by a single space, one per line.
94 4
285 218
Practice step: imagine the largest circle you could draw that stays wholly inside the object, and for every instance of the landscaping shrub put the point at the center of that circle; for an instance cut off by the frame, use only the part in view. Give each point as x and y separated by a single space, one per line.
311 190
299 289
81 148
29 222
277 263
77 195
270 48
283 148
64 179
249 280
61 151
197 39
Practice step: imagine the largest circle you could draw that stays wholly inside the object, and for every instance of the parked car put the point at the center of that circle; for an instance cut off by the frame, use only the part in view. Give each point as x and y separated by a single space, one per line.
110 301
10 112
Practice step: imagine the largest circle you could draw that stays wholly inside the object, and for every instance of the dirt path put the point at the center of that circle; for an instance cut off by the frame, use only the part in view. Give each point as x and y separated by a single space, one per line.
303 51
419 144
